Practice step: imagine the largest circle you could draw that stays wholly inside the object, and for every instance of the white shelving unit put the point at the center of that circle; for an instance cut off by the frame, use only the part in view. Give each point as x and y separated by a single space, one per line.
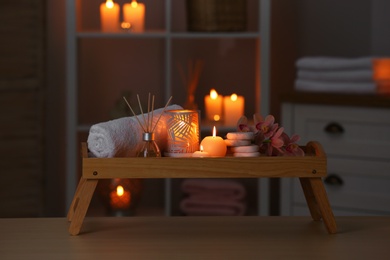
168 36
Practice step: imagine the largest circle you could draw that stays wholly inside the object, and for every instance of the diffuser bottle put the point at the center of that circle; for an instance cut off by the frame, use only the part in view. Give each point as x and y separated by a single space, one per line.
150 147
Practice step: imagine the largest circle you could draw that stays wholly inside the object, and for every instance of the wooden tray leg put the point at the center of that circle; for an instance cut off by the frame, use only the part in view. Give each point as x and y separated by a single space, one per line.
75 200
310 199
318 199
82 202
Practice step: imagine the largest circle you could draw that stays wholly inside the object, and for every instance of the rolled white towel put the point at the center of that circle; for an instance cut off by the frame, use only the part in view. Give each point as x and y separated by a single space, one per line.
334 63
122 137
315 86
360 75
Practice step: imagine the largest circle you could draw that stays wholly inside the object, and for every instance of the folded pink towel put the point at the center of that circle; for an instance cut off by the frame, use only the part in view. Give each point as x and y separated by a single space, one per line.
195 206
221 188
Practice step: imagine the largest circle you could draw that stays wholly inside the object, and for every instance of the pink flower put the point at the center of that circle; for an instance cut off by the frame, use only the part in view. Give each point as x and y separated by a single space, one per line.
291 147
275 143
242 125
277 139
257 118
267 127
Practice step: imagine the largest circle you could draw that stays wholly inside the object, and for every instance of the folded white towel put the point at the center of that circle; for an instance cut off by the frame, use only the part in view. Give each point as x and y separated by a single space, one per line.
315 86
122 137
358 75
334 63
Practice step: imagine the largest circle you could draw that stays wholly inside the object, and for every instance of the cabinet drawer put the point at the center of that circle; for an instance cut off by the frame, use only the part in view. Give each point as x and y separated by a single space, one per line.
365 186
345 131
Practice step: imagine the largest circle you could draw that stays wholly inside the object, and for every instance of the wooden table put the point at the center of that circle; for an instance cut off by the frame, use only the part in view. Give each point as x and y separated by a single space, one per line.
196 238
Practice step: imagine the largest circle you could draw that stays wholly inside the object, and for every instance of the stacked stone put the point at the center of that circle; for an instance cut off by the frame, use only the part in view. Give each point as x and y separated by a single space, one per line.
240 144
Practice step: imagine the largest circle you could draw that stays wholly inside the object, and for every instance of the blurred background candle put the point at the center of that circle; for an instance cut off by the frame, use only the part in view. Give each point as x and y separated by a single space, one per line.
214 145
382 75
134 13
233 109
120 198
213 106
109 16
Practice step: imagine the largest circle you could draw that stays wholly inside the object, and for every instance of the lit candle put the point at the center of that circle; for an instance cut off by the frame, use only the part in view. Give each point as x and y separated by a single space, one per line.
213 105
233 109
214 145
200 153
382 75
109 16
120 198
134 13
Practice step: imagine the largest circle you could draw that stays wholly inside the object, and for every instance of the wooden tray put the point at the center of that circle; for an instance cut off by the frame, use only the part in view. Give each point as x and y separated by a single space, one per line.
309 169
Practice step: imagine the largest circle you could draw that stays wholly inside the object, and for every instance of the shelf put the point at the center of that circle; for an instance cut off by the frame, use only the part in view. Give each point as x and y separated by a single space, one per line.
103 65
172 35
204 127
216 35
98 34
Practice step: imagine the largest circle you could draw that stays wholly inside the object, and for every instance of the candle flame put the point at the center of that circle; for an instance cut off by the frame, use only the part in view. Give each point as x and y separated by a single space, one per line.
134 4
201 148
109 4
125 25
213 94
214 131
233 97
119 190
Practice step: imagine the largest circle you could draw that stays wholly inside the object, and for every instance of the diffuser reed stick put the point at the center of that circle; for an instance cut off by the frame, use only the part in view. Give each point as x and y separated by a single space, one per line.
150 148
147 126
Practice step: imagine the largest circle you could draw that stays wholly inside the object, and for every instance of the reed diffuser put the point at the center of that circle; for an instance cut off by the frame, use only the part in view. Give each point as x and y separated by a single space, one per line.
191 81
150 147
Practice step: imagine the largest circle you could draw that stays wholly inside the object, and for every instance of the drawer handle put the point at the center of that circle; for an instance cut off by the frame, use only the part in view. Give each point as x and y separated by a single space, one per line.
334 180
334 128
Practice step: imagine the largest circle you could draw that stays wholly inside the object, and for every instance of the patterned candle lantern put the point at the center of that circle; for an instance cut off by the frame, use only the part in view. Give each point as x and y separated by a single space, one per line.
183 132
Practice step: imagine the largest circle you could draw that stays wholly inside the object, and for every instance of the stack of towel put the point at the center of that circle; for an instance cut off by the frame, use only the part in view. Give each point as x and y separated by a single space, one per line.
332 74
122 137
213 197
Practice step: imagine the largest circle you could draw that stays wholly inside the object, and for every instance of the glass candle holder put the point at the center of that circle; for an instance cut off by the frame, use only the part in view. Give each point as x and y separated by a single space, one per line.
183 132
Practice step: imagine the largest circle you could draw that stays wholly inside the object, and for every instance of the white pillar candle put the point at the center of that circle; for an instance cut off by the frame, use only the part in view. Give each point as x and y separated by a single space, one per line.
109 16
233 109
213 106
214 145
134 13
